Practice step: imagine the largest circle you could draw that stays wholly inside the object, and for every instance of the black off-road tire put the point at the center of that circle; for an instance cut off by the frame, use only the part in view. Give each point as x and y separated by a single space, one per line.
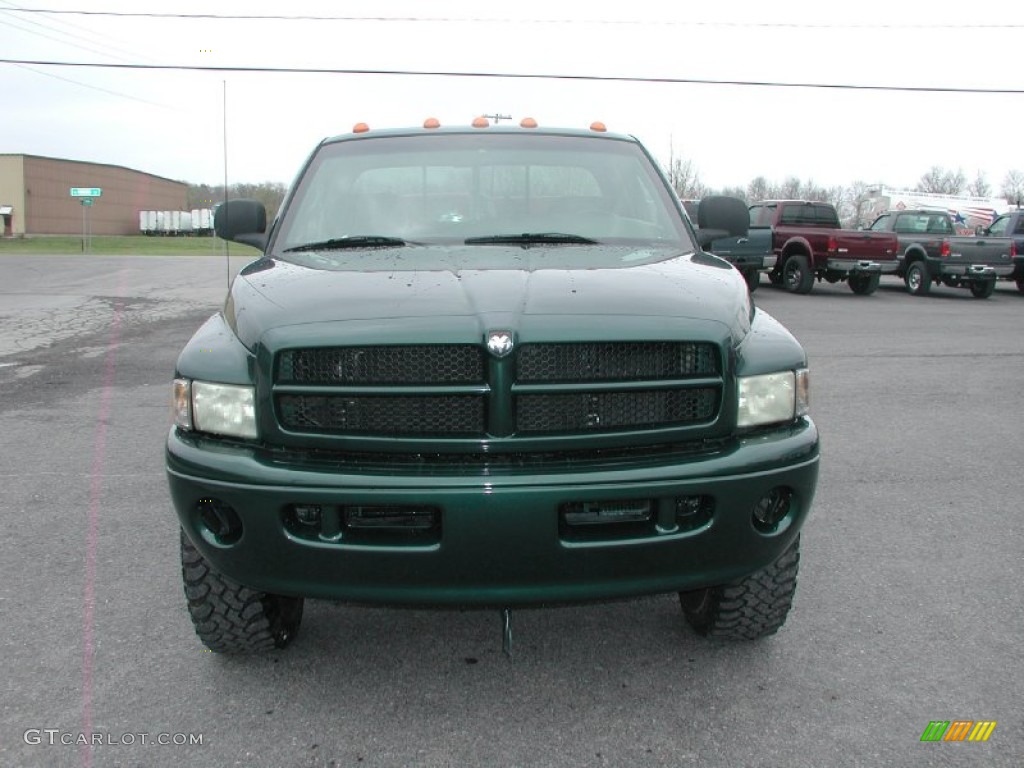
982 289
749 608
864 285
231 618
796 274
918 279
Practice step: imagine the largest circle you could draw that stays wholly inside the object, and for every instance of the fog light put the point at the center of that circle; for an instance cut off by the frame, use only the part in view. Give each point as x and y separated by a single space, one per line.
772 509
220 520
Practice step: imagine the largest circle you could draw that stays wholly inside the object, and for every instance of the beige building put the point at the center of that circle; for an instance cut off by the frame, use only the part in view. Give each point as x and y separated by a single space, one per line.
35 197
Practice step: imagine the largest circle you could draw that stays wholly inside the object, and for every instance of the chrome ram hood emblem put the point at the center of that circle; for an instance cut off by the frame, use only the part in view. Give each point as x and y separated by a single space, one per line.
499 343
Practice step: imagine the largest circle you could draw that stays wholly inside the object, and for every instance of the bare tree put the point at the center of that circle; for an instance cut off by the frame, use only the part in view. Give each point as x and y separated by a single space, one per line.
942 181
739 192
1013 187
980 186
757 189
789 189
852 211
685 179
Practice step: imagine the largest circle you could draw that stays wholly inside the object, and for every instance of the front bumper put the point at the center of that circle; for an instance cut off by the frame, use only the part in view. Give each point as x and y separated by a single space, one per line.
501 538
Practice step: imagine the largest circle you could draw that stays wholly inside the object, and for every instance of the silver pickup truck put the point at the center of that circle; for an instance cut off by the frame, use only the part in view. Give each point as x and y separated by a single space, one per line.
931 252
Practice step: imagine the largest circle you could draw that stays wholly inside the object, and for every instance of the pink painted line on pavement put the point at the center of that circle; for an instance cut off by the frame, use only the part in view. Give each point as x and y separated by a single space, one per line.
92 534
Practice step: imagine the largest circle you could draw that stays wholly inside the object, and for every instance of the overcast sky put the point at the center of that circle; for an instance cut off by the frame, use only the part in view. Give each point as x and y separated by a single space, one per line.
170 122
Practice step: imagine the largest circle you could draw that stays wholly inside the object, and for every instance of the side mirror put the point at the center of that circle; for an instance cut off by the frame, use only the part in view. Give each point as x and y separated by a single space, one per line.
979 230
243 221
725 214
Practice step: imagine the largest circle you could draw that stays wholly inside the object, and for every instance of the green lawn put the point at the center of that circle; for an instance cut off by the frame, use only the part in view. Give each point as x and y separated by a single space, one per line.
127 244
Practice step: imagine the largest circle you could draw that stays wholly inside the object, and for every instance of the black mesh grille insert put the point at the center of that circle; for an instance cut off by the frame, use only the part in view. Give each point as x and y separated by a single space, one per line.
403 415
420 364
590 412
615 361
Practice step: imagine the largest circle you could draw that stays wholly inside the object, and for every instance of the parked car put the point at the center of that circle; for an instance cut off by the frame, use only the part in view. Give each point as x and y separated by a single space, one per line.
1011 225
931 251
811 244
486 366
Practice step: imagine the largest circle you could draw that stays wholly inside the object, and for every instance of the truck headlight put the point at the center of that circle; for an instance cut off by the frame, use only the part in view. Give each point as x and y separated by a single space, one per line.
772 398
221 409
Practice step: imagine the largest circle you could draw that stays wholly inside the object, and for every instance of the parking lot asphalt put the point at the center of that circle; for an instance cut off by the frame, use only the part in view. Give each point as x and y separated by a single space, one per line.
908 609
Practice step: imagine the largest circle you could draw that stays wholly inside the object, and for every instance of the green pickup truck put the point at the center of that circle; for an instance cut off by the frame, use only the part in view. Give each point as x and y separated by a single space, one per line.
485 366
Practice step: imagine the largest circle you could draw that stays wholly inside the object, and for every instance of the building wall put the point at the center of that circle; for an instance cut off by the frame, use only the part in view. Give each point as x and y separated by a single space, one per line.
12 192
49 208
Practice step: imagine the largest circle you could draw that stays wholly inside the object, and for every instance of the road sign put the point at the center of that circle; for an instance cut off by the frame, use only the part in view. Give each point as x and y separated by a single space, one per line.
86 201
86 192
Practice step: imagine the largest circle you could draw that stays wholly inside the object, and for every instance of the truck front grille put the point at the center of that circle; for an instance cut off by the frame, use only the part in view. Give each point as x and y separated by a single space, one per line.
443 415
615 361
590 412
460 391
423 364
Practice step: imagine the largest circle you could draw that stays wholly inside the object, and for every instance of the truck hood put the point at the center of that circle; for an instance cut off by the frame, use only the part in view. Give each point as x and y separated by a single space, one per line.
430 294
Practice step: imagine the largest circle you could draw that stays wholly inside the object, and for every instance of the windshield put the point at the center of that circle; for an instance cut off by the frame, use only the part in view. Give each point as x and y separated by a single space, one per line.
489 189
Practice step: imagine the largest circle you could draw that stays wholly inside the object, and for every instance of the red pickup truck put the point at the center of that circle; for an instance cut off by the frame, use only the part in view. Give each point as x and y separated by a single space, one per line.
810 244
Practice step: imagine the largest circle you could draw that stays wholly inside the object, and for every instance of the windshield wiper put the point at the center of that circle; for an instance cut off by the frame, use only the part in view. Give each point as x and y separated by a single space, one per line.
532 238
351 241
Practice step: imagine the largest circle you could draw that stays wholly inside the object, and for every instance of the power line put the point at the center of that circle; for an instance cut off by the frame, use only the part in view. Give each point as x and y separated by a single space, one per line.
56 39
95 87
93 37
525 76
497 20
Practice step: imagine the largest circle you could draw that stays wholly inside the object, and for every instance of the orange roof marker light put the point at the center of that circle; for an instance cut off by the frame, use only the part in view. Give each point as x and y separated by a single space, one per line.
598 126
481 122
527 122
431 122
360 128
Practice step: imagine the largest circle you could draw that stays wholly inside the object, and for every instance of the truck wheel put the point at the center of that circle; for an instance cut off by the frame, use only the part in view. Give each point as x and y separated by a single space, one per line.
796 274
982 289
753 278
749 608
918 279
231 618
864 285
